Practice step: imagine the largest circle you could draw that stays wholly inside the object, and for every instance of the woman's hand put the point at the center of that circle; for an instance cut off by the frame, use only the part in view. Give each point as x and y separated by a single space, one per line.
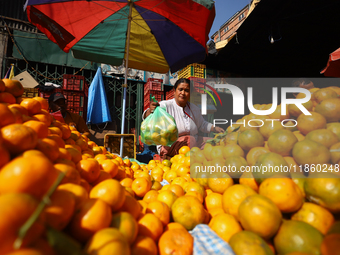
152 107
217 129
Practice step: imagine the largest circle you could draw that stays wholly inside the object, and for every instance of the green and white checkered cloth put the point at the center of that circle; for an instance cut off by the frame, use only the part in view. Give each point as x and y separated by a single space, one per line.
207 242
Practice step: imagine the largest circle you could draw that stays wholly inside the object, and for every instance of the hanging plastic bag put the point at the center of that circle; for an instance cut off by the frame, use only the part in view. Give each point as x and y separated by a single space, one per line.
159 128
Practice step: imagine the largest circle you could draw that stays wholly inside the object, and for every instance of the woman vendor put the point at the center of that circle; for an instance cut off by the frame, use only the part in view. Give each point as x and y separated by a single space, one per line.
188 120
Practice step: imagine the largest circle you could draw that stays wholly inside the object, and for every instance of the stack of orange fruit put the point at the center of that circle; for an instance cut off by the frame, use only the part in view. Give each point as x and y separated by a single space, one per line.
111 205
107 204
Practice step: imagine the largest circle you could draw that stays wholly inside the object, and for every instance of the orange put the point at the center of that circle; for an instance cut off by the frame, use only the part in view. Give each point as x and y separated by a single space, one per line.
57 131
80 193
43 117
82 144
247 178
126 182
233 196
176 241
184 150
269 164
92 216
193 186
195 194
18 138
232 150
43 102
323 136
11 220
283 192
102 177
20 108
149 225
330 109
156 185
249 139
188 211
212 201
107 241
277 114
219 182
315 215
335 155
323 189
295 111
330 245
269 127
61 209
49 147
141 186
225 226
168 197
5 156
282 142
132 206
260 215
324 93
14 87
126 224
89 169
144 245
246 242
150 196
174 225
110 191
6 97
310 152
177 189
19 119
32 106
308 123
300 236
71 174
160 210
234 166
254 153
59 141
33 175
335 128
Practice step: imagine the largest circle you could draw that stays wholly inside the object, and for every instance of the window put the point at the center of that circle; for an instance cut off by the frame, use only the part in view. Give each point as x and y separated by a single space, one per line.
241 16
226 29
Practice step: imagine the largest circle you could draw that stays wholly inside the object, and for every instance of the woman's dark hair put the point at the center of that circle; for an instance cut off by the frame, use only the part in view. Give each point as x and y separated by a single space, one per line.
181 80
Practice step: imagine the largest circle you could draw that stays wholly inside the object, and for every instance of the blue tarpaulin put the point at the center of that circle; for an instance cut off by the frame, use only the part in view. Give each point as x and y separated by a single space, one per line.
97 107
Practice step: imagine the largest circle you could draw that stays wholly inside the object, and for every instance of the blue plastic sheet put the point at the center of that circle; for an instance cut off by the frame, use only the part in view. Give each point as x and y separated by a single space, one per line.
97 107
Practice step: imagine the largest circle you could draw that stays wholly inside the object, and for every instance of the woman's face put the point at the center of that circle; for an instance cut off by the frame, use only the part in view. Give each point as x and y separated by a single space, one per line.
182 93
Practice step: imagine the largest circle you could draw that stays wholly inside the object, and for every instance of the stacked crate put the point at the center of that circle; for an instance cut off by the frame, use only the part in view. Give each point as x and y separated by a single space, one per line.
169 94
153 87
74 90
46 94
30 93
193 70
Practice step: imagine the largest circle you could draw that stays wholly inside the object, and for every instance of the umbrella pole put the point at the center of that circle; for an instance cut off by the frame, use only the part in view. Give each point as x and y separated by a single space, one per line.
125 78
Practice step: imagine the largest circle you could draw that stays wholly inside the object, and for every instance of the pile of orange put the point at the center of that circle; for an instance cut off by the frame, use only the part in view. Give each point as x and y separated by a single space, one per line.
111 205
105 203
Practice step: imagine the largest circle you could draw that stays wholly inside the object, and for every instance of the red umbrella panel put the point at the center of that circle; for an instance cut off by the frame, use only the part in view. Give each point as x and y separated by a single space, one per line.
333 65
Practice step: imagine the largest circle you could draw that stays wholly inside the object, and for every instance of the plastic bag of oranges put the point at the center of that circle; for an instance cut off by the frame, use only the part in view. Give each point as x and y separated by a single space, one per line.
159 128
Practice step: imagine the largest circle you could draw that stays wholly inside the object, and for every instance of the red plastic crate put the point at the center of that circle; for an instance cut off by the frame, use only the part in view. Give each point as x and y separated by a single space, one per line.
73 82
156 80
152 86
169 94
159 96
75 99
198 83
